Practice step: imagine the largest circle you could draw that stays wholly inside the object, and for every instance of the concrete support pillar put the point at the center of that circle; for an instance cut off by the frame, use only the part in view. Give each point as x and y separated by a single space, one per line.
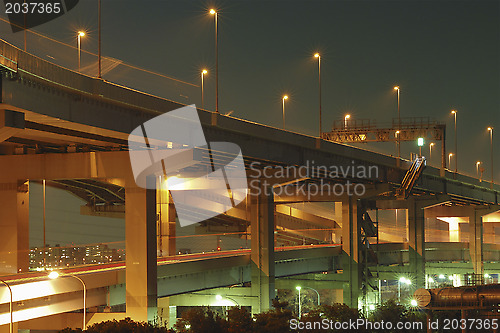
415 221
166 222
476 214
350 251
140 243
476 240
262 255
14 227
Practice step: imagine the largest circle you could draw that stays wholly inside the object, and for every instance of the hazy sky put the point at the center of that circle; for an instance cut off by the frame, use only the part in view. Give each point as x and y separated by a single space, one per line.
443 54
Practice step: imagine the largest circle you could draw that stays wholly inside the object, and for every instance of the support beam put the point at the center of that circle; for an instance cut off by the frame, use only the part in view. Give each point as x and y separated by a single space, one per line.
476 244
262 255
140 243
14 227
350 251
166 222
415 222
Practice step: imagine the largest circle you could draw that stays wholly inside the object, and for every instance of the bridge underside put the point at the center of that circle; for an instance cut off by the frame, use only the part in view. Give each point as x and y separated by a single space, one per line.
71 131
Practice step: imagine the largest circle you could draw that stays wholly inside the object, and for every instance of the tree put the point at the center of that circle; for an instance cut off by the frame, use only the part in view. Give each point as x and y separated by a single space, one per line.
276 320
123 326
239 320
200 320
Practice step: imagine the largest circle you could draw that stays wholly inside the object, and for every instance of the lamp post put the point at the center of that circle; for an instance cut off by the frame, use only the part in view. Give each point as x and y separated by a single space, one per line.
430 149
300 305
477 168
80 35
316 55
402 280
399 125
11 329
55 275
454 112
449 158
215 14
490 129
317 293
285 97
420 143
203 72
347 116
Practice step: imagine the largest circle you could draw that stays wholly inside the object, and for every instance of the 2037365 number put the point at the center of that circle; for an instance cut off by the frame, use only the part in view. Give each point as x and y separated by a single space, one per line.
470 324
32 8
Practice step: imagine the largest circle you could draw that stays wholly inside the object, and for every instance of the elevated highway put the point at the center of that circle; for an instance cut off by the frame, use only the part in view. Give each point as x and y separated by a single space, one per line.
72 130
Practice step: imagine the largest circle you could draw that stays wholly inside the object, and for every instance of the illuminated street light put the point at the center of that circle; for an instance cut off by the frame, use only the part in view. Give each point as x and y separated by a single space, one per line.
347 116
215 14
54 275
300 305
454 112
399 126
430 149
420 142
449 158
405 281
203 73
79 36
490 129
316 55
413 302
11 329
477 168
285 97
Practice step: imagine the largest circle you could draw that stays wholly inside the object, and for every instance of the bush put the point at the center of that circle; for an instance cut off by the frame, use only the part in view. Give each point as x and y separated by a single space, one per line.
126 325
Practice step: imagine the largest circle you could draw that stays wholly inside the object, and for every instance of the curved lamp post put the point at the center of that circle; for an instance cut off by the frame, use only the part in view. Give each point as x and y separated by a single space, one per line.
10 306
55 275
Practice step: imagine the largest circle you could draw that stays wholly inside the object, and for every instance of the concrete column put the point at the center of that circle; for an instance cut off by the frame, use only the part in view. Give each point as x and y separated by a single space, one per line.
140 244
415 221
166 222
476 240
262 255
476 214
350 251
14 227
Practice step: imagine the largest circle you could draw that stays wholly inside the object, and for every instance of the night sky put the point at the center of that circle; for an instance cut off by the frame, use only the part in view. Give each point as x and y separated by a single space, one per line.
443 54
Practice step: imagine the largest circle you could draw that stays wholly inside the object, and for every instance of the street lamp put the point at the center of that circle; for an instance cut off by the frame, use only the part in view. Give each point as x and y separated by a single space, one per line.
11 329
490 129
285 97
347 116
405 281
420 143
54 275
316 55
454 112
449 158
399 125
300 305
477 168
203 73
430 149
317 293
215 14
79 36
